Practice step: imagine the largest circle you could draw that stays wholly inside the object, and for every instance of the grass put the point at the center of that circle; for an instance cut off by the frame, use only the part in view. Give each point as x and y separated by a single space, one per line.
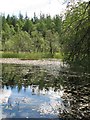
58 56
28 55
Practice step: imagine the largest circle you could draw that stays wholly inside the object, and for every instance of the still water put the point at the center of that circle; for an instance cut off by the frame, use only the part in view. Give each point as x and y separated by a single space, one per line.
30 91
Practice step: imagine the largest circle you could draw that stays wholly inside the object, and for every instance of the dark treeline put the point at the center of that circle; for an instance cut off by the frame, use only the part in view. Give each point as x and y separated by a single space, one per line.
68 34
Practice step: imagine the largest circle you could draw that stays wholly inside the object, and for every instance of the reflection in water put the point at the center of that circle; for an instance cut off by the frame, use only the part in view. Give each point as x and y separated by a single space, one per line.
27 75
4 95
46 91
41 103
77 90
33 91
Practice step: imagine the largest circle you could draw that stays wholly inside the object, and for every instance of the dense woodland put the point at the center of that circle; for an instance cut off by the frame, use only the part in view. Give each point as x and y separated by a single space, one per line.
35 35
68 34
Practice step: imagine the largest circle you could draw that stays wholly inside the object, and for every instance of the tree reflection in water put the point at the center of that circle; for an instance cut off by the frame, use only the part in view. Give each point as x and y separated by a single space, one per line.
74 88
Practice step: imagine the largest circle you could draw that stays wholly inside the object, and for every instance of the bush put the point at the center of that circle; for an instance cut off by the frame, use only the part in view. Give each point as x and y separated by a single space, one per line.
28 55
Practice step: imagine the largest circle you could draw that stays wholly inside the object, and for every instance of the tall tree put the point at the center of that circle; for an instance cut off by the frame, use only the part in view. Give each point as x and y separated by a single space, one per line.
76 30
28 26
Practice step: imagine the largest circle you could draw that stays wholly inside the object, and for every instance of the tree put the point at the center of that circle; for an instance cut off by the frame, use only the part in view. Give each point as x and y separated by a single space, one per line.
19 42
13 20
20 17
8 19
6 34
38 41
52 39
41 27
76 39
28 26
35 18
41 32
57 21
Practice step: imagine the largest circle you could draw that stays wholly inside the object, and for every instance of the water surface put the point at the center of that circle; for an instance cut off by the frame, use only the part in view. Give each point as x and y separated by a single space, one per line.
29 92
34 91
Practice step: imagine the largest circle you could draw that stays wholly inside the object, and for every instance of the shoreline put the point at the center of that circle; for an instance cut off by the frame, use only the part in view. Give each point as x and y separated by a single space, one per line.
31 62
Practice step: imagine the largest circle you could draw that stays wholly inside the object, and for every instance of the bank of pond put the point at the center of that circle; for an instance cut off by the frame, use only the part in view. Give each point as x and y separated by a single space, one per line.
30 55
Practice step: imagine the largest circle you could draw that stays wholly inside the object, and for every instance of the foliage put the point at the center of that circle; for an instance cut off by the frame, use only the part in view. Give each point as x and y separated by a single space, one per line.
76 39
28 55
30 35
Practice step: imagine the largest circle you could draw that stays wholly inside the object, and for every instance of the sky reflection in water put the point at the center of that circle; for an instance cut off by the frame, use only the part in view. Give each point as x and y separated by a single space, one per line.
32 102
24 100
